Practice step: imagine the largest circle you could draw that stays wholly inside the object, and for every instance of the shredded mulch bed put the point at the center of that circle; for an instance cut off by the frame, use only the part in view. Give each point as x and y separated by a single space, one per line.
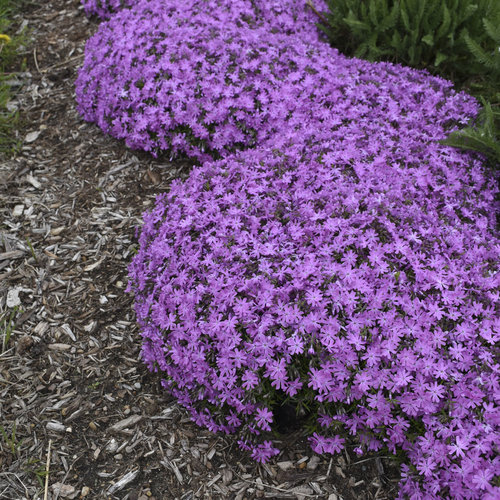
74 393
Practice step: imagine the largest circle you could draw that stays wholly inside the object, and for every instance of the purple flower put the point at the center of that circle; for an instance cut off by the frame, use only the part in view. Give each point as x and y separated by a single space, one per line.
263 418
263 452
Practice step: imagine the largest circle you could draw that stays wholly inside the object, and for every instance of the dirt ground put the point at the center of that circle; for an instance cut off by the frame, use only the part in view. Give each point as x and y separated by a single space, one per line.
74 394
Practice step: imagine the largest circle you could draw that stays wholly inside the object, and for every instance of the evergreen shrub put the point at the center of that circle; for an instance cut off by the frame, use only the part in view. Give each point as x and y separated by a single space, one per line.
430 34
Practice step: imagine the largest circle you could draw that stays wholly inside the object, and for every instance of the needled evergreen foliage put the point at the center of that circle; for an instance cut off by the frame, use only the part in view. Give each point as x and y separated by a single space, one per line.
428 34
483 134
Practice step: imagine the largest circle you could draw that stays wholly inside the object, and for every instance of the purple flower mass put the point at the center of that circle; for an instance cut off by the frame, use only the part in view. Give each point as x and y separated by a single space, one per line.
327 246
195 78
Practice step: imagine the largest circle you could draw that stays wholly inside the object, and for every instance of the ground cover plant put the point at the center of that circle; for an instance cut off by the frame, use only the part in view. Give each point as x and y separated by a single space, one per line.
285 15
265 277
199 79
344 261
105 8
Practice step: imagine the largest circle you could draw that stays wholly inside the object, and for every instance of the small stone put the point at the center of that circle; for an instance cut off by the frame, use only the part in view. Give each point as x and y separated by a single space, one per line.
18 210
85 491
112 446
32 136
64 490
313 463
333 496
13 299
284 466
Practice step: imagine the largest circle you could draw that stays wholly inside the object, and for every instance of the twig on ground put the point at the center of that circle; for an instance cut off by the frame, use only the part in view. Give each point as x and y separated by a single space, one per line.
47 468
36 60
62 63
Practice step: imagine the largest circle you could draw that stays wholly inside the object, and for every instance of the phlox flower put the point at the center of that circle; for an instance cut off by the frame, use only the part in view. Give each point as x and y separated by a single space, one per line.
263 418
264 451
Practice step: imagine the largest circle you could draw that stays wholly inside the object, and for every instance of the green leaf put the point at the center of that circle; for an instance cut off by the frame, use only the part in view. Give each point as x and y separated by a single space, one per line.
492 30
445 25
440 57
406 21
428 39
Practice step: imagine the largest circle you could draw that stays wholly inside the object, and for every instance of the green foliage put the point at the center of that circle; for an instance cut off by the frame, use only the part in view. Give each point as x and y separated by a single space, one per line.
10 440
428 34
10 45
7 325
8 119
490 60
483 135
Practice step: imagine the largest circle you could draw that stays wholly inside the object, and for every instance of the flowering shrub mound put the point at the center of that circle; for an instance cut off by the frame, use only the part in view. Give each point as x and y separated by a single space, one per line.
192 81
335 255
264 276
205 83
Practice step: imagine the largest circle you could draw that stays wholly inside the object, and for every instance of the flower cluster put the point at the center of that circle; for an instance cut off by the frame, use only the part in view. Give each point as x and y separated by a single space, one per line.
290 16
328 249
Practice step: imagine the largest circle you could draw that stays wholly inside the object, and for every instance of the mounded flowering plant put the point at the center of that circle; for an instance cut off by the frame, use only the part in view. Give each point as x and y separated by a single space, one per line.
272 276
346 264
207 81
201 79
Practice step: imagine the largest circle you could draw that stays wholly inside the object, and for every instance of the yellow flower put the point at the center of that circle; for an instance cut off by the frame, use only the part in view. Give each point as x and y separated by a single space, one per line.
5 38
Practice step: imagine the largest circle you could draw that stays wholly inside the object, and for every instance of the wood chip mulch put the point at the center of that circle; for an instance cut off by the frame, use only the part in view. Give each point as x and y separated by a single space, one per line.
74 394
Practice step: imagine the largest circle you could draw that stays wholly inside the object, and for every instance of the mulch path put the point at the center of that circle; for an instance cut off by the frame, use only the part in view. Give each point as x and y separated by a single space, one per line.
73 391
